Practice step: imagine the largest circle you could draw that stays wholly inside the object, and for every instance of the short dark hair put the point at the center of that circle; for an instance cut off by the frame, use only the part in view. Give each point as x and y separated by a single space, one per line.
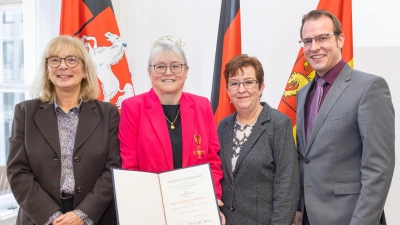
243 60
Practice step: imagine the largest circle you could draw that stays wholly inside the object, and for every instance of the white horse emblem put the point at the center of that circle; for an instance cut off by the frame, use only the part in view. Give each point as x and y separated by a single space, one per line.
103 57
128 92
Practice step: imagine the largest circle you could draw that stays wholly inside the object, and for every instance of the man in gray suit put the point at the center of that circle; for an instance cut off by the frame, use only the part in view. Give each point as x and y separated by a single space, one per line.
345 133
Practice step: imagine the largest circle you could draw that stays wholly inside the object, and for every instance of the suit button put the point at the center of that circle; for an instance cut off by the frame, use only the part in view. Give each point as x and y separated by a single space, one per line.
77 158
306 161
232 208
78 190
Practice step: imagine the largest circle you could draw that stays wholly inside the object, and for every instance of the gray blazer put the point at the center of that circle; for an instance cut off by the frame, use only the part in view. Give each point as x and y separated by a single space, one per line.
34 167
264 189
347 166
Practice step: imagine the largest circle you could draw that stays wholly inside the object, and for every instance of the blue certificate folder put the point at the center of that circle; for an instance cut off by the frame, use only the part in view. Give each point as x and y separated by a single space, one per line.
178 197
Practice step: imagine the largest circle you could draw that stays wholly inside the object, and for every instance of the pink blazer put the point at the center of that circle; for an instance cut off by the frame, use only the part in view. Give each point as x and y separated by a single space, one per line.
144 139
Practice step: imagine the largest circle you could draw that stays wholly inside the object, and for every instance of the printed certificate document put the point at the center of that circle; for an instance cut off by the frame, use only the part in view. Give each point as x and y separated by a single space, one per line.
178 197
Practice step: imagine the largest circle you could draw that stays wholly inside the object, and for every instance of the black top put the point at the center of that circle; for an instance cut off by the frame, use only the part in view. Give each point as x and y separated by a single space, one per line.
175 134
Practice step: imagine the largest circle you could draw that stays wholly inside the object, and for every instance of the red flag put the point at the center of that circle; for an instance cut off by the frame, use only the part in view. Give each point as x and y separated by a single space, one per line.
302 72
228 45
94 22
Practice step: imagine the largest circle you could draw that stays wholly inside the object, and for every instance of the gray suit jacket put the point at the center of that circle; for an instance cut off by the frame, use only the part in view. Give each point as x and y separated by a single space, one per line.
347 166
264 189
34 167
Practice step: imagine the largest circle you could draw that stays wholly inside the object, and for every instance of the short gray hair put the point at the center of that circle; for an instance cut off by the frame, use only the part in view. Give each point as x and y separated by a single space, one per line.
167 44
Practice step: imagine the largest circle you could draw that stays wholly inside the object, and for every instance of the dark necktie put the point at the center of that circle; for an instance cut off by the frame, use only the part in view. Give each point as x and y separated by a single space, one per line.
314 108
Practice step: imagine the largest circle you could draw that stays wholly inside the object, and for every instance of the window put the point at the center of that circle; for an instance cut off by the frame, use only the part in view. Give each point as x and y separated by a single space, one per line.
12 81
13 89
9 100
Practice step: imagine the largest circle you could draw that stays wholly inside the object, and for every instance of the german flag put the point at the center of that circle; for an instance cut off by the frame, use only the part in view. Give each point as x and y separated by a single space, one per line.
302 73
229 44
94 22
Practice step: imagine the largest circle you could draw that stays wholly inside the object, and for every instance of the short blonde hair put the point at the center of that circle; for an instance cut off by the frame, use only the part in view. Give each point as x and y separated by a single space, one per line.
44 89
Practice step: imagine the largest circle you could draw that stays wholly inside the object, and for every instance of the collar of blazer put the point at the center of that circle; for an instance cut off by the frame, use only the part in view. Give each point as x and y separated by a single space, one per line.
187 114
46 120
338 87
227 134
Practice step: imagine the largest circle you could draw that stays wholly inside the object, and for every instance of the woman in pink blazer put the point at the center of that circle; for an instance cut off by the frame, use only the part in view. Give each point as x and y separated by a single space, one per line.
157 129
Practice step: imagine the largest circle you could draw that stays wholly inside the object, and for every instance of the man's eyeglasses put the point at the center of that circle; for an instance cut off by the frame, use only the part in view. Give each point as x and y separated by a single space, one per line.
248 84
320 39
161 69
55 62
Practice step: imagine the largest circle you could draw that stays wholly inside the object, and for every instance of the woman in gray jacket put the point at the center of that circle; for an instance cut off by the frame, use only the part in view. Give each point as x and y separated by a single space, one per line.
259 158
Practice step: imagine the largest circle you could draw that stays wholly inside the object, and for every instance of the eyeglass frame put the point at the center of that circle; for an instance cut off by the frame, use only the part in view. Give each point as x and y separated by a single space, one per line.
302 44
243 83
47 61
181 64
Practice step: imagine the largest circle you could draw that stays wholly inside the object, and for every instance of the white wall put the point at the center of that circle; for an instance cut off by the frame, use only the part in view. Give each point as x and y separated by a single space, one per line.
270 31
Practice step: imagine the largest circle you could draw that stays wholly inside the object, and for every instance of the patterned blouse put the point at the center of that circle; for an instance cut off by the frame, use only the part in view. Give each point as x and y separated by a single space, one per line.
67 126
241 134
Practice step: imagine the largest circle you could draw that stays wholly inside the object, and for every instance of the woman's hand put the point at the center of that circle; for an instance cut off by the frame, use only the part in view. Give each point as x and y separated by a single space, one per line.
70 218
298 219
220 204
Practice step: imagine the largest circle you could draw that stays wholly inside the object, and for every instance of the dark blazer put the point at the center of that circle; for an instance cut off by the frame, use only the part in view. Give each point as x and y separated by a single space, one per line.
347 166
264 189
34 166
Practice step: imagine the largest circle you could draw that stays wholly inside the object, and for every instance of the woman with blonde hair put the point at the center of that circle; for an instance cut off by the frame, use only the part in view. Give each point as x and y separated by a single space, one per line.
64 143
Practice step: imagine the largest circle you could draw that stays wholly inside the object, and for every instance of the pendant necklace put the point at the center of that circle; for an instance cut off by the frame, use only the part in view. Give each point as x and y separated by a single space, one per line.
172 123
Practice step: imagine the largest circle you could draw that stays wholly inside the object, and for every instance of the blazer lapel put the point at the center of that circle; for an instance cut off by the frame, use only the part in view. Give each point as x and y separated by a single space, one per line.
157 119
227 138
256 132
89 118
339 85
46 120
187 121
301 112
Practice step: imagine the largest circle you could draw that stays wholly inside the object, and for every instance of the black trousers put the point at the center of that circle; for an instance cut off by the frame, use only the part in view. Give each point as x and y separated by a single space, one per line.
67 201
